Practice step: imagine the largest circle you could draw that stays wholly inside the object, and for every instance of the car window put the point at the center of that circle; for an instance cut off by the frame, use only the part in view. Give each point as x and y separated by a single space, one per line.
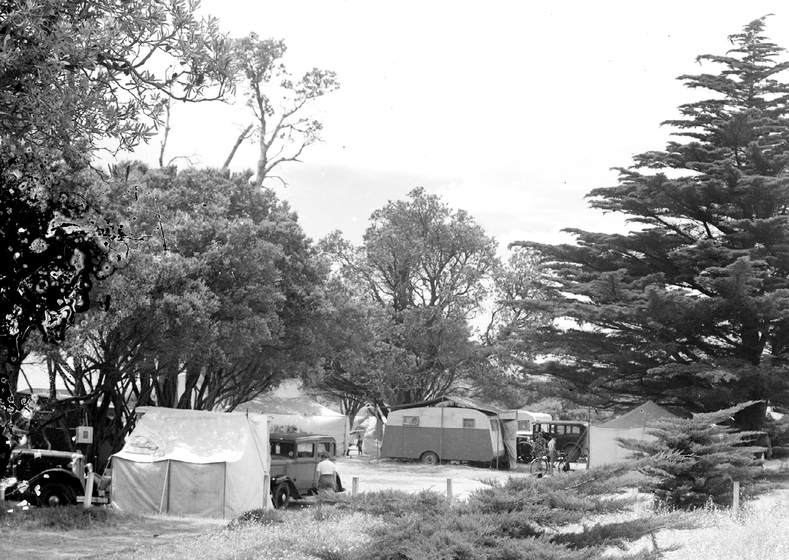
326 447
282 449
306 450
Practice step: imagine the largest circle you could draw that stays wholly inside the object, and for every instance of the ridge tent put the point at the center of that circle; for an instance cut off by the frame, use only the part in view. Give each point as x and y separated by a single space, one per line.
603 447
190 462
304 413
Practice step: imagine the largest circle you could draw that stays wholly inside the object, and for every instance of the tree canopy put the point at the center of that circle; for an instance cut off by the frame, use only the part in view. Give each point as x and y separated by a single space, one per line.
420 276
216 306
691 307
76 77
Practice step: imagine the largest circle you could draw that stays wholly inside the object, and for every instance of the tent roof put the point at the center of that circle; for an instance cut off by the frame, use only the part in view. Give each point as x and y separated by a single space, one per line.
640 416
194 436
303 405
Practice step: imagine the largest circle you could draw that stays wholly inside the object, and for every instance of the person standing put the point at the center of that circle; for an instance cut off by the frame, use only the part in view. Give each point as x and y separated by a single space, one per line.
553 455
327 474
359 443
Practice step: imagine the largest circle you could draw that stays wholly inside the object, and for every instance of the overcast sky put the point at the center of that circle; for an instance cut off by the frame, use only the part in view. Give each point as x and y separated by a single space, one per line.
510 110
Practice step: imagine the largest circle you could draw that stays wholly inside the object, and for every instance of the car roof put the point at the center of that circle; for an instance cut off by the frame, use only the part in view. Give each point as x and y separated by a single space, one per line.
282 436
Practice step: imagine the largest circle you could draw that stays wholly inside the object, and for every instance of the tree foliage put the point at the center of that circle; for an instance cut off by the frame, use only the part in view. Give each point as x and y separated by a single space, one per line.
83 71
215 307
421 273
691 307
283 125
77 76
692 462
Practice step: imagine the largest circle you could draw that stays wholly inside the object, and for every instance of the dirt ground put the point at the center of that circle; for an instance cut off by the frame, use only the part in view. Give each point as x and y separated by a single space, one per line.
372 474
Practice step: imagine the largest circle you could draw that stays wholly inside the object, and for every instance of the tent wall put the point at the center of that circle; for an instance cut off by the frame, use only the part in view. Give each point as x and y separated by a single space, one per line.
604 449
139 487
197 489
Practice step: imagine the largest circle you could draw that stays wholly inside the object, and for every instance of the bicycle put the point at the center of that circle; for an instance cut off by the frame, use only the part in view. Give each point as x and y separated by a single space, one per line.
539 465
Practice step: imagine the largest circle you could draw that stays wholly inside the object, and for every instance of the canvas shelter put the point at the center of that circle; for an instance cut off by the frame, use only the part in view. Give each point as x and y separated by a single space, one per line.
303 413
635 424
189 462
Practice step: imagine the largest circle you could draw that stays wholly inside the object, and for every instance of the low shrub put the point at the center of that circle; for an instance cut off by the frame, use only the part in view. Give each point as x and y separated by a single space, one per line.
257 517
394 503
693 462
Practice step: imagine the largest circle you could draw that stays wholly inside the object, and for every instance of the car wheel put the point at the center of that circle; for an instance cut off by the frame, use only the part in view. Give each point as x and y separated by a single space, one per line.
282 495
429 458
55 494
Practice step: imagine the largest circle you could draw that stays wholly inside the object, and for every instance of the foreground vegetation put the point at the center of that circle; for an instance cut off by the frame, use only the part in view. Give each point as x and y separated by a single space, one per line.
585 515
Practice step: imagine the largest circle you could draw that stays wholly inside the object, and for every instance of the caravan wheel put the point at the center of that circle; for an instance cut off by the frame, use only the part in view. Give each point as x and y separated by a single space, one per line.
281 495
429 458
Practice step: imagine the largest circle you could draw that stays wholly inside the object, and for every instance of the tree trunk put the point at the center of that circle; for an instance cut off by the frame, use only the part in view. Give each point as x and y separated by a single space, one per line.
241 137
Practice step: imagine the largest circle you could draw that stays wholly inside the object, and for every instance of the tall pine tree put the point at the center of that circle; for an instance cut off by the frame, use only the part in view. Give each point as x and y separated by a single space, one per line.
691 308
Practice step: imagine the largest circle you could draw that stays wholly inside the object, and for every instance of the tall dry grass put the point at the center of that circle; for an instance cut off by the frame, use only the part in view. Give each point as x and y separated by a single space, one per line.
759 531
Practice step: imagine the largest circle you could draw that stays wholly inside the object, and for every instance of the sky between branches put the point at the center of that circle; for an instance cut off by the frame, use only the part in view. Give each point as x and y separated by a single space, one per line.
511 110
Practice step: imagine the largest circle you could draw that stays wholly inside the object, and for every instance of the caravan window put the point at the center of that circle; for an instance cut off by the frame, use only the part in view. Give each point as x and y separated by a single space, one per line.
410 420
468 423
524 425
306 450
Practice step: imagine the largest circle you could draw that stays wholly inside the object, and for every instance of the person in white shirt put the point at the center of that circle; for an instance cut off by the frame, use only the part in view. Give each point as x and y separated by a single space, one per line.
552 453
327 472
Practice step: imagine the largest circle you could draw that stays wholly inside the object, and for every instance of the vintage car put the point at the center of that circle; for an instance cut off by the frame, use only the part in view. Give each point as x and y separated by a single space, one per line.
50 478
294 459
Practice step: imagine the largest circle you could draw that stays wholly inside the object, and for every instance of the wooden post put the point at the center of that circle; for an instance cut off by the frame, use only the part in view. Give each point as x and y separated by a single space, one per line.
354 485
449 489
88 486
735 499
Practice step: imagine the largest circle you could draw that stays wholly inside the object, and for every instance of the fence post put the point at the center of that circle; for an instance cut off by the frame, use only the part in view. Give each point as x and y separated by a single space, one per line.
449 489
354 485
88 486
735 501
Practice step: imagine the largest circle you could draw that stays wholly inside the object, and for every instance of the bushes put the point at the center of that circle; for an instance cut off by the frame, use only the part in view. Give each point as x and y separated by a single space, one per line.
693 462
523 517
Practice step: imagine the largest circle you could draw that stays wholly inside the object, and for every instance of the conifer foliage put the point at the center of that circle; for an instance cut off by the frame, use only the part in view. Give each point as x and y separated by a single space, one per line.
693 462
691 307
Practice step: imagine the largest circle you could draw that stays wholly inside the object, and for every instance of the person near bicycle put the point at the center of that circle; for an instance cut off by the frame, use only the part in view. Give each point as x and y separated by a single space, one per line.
553 455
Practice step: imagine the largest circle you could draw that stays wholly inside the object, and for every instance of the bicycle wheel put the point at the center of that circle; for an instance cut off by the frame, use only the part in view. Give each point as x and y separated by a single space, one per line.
563 466
538 466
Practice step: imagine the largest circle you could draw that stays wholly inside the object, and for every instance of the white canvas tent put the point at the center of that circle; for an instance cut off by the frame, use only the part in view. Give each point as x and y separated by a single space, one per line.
188 462
603 447
303 413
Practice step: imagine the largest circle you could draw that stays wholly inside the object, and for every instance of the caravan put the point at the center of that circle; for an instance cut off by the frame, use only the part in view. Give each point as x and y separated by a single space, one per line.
453 429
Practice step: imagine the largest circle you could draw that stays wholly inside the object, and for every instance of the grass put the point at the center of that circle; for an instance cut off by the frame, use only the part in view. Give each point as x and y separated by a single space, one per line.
758 531
69 518
295 535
